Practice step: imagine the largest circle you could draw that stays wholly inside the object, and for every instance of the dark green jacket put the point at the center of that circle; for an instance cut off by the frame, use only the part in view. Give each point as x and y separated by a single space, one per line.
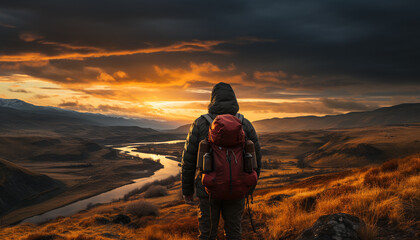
223 101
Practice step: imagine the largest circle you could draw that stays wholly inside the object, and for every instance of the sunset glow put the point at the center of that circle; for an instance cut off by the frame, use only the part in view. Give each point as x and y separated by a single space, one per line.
157 73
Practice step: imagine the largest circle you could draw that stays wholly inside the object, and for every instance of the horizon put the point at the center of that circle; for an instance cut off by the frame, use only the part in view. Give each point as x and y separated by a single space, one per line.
177 126
159 61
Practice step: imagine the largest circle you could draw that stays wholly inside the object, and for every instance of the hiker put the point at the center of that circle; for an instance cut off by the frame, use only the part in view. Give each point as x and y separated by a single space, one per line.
223 101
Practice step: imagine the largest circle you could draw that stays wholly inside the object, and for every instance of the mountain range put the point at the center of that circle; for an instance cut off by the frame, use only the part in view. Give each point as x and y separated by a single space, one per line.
406 113
59 114
17 114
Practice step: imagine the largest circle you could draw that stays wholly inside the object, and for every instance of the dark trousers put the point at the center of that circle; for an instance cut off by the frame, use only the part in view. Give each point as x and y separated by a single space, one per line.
232 215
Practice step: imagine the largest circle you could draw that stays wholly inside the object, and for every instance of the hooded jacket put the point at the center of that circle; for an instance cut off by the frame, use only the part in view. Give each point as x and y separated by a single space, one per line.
223 101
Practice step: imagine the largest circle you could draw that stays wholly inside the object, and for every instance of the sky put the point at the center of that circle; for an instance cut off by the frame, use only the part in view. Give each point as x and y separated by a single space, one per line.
160 59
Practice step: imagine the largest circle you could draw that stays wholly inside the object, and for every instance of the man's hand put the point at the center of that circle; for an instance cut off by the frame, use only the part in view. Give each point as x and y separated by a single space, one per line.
189 199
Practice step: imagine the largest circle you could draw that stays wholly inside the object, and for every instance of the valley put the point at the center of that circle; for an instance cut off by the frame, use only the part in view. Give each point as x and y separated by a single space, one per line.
305 174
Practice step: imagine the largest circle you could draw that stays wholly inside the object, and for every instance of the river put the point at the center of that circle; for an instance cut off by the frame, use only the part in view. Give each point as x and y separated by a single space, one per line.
170 168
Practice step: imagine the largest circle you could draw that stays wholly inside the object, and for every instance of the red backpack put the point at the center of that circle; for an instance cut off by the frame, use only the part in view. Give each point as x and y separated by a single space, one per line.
227 180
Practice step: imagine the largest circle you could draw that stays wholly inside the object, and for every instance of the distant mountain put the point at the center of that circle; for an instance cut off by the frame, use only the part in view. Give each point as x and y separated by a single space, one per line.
18 118
90 118
399 114
184 129
20 186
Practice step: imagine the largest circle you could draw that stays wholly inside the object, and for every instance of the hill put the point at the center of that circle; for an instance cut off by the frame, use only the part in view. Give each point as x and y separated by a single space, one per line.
20 186
386 198
40 122
42 113
339 148
399 114
184 129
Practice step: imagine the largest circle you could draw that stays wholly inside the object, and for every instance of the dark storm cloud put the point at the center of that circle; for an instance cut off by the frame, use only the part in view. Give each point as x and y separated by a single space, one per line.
346 105
327 44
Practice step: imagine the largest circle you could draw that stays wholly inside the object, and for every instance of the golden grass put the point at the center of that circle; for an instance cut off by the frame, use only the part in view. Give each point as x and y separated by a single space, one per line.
388 194
381 193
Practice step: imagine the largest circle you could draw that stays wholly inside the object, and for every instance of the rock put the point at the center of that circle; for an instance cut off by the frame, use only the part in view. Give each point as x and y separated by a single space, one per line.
102 220
121 219
338 226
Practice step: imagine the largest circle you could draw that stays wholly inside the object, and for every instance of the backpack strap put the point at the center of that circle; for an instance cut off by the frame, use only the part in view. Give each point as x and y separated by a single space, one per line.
240 117
208 118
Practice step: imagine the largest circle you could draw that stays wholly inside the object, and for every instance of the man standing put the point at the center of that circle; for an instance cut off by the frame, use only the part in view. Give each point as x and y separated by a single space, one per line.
223 101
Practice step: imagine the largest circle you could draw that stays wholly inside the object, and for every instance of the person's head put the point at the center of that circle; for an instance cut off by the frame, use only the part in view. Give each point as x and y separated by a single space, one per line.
223 100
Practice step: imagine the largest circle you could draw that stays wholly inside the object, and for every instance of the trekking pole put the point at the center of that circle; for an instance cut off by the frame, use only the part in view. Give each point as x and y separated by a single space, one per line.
249 213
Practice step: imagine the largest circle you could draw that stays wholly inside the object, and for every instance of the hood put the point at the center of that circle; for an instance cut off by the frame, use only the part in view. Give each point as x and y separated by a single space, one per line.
223 100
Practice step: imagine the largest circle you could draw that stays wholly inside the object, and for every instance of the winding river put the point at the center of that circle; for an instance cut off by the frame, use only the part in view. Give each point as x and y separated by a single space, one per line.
170 168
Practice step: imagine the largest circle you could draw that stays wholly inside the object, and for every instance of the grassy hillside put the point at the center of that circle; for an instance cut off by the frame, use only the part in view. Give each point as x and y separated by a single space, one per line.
362 146
20 186
386 197
339 148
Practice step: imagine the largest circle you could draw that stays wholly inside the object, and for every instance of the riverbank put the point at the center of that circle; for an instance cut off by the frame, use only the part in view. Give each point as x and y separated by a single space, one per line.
174 149
101 177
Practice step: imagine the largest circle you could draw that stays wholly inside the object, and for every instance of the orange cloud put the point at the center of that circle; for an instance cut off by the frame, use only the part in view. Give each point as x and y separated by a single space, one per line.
270 76
204 72
120 74
18 65
137 110
103 76
194 46
29 37
70 46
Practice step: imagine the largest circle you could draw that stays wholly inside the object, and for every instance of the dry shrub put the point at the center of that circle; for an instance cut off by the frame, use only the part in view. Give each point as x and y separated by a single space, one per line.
409 189
409 168
164 182
390 166
382 180
389 209
142 208
288 220
156 191
137 191
392 172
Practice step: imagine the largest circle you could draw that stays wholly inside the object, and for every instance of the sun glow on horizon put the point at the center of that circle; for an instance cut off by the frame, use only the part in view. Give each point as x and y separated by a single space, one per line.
153 104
